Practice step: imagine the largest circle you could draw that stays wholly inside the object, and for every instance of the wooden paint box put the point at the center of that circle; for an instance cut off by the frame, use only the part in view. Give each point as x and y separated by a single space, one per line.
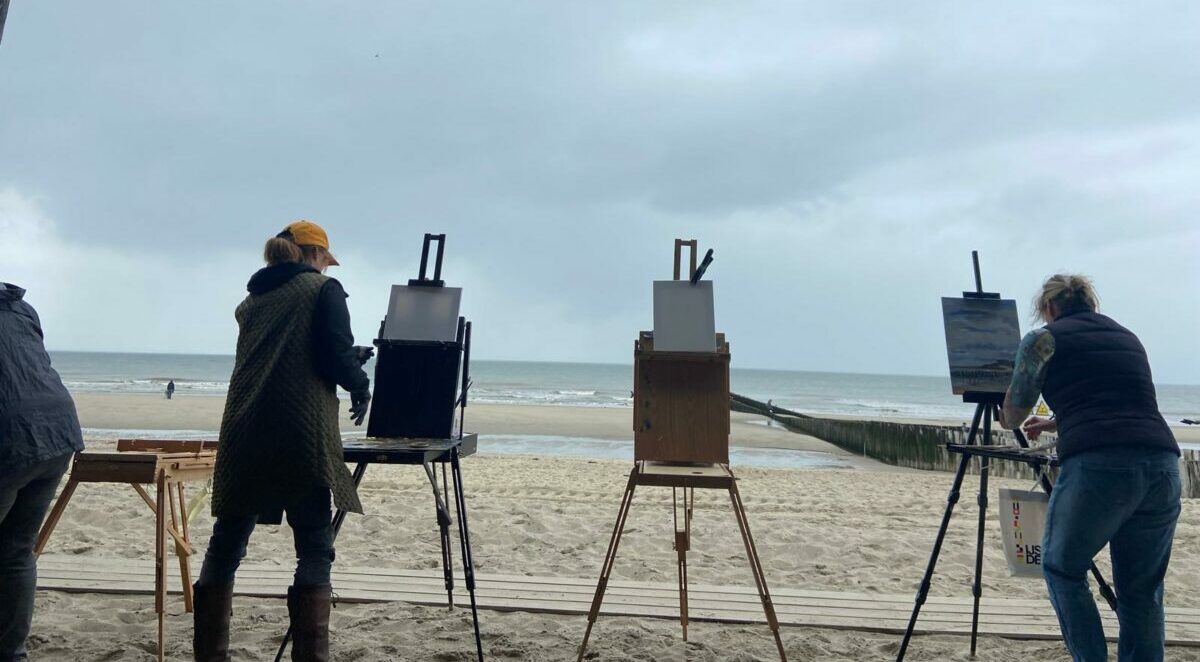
680 403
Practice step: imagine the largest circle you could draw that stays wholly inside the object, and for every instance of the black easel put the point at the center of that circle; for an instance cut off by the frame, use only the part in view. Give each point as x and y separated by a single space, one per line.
427 452
987 409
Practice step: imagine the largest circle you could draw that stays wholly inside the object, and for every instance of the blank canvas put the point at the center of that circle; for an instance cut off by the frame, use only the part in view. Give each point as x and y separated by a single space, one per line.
423 313
683 316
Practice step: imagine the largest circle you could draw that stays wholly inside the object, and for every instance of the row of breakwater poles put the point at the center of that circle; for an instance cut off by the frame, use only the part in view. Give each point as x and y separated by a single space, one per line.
918 445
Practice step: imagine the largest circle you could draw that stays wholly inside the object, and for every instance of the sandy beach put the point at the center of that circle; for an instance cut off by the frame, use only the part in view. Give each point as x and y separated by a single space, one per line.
866 530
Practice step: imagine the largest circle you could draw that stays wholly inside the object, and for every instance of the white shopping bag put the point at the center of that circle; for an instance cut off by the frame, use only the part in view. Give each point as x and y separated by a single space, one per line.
1022 521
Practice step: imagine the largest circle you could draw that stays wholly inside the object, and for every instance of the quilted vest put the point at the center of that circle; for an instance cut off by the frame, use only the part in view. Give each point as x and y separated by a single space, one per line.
279 434
1099 385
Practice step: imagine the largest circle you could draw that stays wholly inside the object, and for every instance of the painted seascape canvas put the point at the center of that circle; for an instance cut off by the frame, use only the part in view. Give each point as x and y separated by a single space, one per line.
981 343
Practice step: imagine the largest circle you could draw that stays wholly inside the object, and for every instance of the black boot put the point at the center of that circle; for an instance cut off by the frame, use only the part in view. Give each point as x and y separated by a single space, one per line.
212 608
308 609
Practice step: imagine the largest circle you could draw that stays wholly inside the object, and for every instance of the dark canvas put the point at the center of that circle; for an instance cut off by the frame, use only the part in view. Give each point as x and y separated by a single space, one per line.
981 342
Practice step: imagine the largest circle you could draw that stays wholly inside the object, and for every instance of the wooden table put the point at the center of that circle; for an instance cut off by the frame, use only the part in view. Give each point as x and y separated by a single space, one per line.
683 478
165 464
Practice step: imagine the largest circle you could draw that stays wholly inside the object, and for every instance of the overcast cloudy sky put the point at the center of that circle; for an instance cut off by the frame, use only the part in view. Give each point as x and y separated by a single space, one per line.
842 159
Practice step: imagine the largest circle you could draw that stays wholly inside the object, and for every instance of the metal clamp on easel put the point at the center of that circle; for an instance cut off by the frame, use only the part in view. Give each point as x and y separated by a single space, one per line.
681 426
421 280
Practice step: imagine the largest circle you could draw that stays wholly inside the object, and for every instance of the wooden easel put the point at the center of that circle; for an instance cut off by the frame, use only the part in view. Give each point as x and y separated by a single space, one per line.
165 464
681 440
684 478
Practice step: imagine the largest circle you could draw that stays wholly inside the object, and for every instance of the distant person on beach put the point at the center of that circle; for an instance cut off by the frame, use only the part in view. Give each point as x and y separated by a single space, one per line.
39 432
280 445
170 389
1119 479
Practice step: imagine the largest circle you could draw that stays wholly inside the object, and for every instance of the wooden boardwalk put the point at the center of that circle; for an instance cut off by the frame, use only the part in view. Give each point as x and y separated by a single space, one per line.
1016 619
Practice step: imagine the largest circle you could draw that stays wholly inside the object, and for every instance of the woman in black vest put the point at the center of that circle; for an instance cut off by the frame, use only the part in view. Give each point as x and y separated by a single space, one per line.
281 448
1119 481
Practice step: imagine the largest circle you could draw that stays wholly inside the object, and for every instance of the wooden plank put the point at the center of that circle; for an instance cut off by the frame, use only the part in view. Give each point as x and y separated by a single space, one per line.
585 586
119 471
167 445
878 613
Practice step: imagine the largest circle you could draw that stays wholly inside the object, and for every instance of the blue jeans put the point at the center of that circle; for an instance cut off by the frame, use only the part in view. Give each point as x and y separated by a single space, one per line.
312 533
1127 498
24 500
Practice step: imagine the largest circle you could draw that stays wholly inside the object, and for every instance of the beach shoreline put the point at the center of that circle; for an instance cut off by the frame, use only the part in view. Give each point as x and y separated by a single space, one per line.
134 412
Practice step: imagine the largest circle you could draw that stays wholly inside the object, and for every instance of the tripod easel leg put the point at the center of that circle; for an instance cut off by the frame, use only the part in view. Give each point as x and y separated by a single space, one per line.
464 538
683 543
160 560
982 501
760 580
951 500
54 516
443 520
609 557
181 550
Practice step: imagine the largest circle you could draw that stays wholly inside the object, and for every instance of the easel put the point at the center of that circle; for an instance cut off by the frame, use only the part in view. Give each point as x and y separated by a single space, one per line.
987 409
414 450
681 441
165 464
427 453
683 479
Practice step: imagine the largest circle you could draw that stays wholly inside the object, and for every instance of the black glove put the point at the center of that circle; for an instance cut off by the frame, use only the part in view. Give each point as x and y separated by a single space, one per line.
363 354
359 401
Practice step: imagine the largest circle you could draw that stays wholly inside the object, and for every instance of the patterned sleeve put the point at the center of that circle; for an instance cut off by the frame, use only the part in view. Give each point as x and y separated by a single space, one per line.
1029 374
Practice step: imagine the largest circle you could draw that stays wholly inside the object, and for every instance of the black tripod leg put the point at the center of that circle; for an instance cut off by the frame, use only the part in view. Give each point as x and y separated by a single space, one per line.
443 520
360 470
977 586
464 536
951 500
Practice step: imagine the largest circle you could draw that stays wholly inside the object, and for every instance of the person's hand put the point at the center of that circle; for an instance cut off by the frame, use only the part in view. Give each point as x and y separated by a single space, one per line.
363 354
1035 426
359 402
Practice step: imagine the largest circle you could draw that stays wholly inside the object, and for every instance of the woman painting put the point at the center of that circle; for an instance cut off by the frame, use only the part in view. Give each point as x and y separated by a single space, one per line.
280 448
1119 479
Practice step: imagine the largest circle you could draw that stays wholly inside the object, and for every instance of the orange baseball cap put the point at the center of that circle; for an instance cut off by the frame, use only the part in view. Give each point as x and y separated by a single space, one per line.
307 233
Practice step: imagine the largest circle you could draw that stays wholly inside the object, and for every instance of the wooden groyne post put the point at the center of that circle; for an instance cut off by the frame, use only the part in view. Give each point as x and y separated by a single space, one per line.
915 445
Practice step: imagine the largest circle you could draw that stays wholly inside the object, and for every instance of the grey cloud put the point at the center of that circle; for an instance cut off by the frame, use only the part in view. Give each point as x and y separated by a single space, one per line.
841 158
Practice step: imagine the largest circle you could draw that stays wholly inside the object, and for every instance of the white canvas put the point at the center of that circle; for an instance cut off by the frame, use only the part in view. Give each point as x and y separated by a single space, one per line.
423 313
1022 521
683 316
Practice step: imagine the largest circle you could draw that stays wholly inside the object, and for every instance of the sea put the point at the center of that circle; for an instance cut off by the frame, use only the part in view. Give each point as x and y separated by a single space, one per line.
590 385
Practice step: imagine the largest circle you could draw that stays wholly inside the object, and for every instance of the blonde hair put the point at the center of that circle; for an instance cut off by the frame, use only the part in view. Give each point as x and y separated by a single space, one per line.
1069 293
280 250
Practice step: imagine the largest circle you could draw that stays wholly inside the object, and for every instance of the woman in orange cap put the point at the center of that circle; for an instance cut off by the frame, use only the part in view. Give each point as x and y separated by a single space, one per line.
280 442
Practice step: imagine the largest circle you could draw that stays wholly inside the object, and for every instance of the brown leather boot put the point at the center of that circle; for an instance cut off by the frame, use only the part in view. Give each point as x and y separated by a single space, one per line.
213 605
308 609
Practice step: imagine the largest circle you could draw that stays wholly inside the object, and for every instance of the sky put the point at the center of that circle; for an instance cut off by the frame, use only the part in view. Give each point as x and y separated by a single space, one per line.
841 159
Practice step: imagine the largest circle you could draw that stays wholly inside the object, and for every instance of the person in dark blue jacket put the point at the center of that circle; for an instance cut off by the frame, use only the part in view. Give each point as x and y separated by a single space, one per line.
1119 480
39 432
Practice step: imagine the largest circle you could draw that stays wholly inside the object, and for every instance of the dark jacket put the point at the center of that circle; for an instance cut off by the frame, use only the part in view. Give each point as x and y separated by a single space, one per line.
279 433
334 343
1099 385
37 416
